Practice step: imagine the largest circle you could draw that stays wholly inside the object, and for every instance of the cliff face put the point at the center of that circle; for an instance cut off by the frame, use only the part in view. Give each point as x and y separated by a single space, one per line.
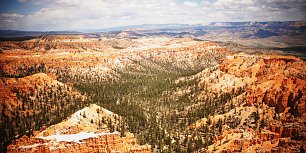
280 80
271 110
98 142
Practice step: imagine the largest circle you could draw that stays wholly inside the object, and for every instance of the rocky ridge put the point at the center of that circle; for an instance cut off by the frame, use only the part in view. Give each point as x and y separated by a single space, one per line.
270 114
81 132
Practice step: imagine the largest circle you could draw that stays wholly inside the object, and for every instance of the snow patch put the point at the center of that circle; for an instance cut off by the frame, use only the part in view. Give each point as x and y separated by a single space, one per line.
75 137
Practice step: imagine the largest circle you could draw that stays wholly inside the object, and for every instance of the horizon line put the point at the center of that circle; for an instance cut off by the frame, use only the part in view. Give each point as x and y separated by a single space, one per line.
126 26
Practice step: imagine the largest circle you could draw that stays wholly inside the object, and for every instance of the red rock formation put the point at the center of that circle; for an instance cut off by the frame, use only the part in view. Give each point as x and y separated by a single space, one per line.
105 143
280 80
278 92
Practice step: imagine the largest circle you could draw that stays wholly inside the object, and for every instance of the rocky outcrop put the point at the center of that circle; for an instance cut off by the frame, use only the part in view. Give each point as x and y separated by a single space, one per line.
276 100
102 142
80 133
280 81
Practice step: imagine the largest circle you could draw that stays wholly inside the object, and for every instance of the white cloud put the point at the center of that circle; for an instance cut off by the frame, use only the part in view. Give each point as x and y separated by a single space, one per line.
11 20
80 14
190 4
11 15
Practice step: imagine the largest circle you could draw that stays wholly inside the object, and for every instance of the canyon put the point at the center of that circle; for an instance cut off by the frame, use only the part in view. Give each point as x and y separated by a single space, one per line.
77 93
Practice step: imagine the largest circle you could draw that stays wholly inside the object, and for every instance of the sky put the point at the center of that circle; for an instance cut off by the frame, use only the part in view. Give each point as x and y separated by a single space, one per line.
51 15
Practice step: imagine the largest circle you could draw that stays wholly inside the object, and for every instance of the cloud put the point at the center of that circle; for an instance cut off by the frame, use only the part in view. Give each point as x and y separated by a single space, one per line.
80 14
11 20
101 14
282 4
190 4
10 17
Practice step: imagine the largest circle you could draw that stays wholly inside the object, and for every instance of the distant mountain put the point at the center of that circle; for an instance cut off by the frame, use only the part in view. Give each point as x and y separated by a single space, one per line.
267 35
271 24
6 35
